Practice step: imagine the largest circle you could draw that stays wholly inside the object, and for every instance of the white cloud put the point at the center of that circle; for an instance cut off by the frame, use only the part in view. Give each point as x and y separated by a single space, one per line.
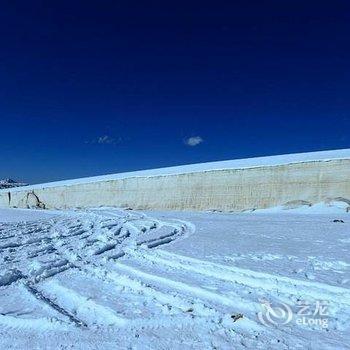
193 141
105 140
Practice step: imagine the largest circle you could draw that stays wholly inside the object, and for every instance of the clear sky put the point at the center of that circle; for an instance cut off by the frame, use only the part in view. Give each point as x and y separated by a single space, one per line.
97 87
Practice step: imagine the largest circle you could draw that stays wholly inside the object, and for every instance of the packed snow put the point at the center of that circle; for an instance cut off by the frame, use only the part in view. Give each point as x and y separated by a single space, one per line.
220 165
23 215
107 278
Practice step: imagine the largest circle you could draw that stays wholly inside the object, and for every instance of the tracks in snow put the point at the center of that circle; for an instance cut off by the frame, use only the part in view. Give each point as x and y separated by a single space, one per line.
278 285
36 254
103 268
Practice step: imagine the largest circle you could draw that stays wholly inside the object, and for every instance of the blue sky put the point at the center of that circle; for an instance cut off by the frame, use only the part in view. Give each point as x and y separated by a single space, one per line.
90 88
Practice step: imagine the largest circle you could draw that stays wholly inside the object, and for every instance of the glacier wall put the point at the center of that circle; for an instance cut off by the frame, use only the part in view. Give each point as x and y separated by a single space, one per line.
226 189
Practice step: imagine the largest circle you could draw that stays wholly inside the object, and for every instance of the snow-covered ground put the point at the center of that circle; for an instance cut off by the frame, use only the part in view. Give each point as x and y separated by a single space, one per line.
106 279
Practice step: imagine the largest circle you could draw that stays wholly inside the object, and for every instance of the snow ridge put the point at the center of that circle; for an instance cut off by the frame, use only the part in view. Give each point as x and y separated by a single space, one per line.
219 165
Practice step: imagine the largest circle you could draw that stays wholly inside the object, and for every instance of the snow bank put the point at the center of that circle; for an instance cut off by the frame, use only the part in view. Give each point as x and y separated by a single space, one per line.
202 167
247 184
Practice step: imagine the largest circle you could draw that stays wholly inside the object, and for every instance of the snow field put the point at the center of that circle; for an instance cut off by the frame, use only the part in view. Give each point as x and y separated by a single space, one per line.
107 278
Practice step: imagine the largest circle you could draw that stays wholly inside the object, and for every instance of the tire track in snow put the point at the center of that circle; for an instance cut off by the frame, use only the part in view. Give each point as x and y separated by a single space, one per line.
249 278
89 312
40 296
141 286
80 239
10 323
